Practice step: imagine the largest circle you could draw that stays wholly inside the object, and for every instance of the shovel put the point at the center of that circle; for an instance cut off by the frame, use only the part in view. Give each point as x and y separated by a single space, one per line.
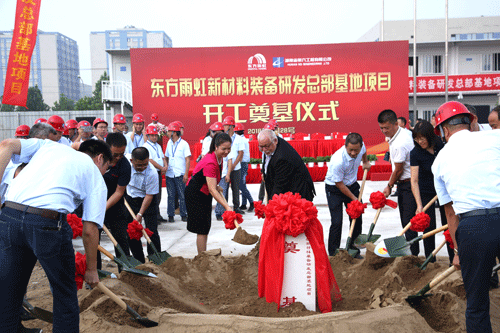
415 299
157 258
126 266
432 255
135 316
131 261
363 239
37 312
354 252
104 274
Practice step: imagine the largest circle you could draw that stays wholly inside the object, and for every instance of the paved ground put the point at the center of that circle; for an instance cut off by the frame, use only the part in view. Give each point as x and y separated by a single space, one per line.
177 241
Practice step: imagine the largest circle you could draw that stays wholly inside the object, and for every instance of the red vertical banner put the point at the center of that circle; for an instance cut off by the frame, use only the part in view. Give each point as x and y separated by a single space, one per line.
21 49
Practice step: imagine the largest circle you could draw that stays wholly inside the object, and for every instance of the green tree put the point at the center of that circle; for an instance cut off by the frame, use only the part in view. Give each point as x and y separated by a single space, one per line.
6 107
64 104
94 102
35 101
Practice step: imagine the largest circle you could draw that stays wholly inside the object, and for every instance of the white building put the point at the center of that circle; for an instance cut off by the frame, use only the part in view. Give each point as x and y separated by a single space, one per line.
473 61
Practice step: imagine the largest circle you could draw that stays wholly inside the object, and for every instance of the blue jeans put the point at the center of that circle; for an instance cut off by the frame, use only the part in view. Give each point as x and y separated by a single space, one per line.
23 240
176 187
235 177
478 239
245 193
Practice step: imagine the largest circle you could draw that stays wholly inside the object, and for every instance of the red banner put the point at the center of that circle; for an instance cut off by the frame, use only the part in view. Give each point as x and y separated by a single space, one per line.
21 49
307 88
456 83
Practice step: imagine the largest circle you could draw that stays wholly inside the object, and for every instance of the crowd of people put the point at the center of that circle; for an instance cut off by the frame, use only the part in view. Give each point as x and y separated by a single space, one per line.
95 174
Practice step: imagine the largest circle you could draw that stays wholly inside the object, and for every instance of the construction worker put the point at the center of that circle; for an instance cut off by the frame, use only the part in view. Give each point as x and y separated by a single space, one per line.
120 126
84 133
72 127
100 129
137 137
154 120
22 132
58 124
214 129
466 178
239 129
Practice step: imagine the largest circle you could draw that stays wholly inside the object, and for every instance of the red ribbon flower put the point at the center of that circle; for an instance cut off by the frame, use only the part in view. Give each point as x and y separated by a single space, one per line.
80 268
378 200
355 208
76 225
447 236
259 209
229 216
134 230
148 232
420 222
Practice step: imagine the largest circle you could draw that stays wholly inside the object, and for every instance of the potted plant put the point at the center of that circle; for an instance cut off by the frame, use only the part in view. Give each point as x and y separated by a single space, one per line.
254 162
372 158
321 161
309 161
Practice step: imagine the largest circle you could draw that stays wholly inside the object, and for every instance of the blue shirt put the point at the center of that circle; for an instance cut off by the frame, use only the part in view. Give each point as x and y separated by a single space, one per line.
143 183
467 171
58 178
177 153
344 168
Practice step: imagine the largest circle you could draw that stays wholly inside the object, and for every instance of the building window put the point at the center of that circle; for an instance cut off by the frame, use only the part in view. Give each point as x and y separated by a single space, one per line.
433 64
491 62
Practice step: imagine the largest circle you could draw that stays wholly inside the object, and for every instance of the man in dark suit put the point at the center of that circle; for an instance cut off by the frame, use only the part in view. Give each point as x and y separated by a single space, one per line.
283 168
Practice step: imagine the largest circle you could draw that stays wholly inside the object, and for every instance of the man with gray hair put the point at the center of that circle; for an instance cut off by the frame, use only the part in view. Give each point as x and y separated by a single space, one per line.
283 168
43 131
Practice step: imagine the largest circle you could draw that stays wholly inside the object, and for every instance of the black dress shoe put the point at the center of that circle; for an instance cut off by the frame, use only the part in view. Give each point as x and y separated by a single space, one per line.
239 211
219 217
184 218
171 219
251 208
243 207
160 218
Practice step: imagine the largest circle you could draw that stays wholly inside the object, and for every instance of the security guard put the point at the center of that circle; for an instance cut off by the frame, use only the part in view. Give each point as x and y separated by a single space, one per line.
467 178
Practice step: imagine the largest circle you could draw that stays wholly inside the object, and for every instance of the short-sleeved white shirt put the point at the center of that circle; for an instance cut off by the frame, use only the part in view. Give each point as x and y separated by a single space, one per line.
343 168
237 145
155 152
58 178
246 152
400 146
177 153
467 171
65 141
143 183
205 146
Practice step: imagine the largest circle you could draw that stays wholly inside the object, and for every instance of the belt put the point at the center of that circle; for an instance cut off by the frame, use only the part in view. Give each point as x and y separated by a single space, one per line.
480 212
404 180
47 213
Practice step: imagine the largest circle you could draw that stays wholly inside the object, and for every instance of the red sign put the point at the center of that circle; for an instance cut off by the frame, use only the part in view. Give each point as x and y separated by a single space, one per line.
21 49
307 88
456 83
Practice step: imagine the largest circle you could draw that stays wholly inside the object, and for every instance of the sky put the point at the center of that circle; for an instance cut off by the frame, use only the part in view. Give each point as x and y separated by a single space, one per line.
209 23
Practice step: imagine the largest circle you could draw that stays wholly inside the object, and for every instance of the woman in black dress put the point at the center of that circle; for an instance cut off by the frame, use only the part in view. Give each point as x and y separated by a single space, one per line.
202 187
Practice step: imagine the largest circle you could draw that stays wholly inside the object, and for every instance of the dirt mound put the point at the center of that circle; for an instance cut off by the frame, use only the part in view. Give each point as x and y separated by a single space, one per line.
205 293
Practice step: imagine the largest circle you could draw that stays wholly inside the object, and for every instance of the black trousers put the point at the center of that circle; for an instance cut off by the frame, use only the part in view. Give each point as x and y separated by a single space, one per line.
407 207
335 200
116 221
151 223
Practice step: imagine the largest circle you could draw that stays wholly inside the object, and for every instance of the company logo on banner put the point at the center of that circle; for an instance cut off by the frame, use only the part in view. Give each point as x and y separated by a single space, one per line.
257 62
456 83
21 49
308 89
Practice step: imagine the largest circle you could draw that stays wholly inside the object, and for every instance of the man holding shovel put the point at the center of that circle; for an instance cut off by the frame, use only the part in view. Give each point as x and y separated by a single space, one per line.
341 186
467 179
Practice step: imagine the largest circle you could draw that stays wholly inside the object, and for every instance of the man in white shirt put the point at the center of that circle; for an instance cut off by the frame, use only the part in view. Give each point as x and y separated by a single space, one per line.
178 159
58 124
154 120
467 179
239 129
233 174
100 128
341 186
33 223
120 125
400 146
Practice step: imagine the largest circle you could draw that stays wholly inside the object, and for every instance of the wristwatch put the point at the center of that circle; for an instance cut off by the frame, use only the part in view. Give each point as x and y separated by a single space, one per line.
390 186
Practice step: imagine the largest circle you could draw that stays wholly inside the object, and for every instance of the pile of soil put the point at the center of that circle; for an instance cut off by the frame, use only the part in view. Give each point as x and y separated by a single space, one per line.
205 293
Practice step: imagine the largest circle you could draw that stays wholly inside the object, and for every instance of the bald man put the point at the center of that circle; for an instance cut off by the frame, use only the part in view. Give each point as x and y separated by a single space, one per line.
493 118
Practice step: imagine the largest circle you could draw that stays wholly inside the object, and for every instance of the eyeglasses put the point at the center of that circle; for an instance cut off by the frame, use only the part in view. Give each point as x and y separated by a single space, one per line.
266 146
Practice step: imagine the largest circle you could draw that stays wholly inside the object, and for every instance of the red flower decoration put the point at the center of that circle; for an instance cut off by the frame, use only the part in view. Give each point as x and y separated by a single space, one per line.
134 230
259 209
290 214
420 222
229 216
378 200
80 268
447 236
76 225
149 232
355 208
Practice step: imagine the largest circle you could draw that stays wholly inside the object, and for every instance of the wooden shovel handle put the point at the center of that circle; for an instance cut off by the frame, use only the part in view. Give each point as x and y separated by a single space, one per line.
113 240
430 203
112 295
435 231
377 214
405 229
437 249
359 199
144 233
106 252
442 276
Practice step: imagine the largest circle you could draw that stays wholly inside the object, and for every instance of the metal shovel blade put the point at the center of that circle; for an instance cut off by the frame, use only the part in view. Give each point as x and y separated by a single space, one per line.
158 258
104 274
38 313
363 239
415 300
397 246
141 320
126 267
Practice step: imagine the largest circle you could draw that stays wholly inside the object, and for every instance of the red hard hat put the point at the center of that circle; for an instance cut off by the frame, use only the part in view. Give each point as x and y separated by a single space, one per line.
66 130
23 130
449 110
269 126
178 122
154 116
152 129
119 119
138 118
71 124
56 122
98 121
83 123
228 121
174 126
239 127
217 126
40 120
273 122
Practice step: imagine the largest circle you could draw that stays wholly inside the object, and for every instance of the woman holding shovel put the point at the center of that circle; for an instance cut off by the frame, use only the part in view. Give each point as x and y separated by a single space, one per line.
202 187
427 147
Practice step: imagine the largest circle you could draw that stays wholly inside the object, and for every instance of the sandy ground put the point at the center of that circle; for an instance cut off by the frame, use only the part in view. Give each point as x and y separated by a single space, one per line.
217 290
